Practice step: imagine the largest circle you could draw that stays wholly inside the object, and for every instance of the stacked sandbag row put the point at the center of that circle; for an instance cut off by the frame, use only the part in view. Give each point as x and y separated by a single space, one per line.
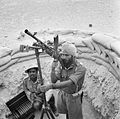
111 50
103 50
8 57
103 89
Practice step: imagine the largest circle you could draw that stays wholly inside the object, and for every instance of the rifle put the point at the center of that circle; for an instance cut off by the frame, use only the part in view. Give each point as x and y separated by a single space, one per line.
53 52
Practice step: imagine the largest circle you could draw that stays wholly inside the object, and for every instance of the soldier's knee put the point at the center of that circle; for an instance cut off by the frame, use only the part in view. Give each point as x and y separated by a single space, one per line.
37 105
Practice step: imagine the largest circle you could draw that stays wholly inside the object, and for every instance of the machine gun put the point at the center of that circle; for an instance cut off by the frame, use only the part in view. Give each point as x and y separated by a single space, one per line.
53 52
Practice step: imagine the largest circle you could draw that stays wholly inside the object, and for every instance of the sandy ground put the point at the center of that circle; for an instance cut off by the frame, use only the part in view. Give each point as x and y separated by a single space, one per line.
88 112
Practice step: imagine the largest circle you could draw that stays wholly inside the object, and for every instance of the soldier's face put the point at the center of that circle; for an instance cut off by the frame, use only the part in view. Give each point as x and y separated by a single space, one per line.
66 57
32 74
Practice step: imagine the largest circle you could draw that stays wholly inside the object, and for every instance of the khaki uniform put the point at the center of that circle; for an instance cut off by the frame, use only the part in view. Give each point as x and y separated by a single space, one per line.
67 103
30 88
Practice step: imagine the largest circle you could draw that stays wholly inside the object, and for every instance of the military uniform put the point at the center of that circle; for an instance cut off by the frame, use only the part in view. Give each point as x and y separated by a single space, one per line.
30 88
37 99
69 100
68 78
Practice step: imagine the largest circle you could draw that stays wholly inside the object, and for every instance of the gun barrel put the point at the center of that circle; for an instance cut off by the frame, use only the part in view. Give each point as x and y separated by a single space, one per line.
30 34
47 49
50 51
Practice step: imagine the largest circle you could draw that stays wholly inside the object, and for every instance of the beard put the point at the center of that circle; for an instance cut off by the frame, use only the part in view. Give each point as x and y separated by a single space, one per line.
67 63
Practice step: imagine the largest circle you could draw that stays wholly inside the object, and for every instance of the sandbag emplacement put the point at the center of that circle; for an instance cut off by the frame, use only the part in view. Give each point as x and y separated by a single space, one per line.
115 46
2 68
4 51
103 39
5 60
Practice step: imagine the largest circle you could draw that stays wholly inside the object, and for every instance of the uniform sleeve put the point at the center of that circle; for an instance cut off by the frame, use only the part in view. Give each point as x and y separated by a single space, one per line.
78 76
55 74
57 71
25 87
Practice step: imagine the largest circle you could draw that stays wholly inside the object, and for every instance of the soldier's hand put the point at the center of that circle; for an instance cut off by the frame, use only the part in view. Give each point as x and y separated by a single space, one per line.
54 64
44 88
32 96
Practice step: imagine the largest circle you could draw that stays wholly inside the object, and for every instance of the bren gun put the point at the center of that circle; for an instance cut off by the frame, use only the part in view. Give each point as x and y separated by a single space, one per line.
53 52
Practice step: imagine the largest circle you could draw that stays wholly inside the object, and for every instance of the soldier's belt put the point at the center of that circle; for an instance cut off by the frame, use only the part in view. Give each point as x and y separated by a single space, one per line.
78 93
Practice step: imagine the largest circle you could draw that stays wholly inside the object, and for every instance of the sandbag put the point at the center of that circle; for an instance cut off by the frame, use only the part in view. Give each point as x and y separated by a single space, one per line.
96 47
102 50
102 62
88 42
65 32
104 40
5 60
116 70
15 51
4 51
110 59
86 56
77 40
115 46
23 54
85 34
96 55
31 57
85 50
115 63
118 62
22 59
108 66
104 53
113 57
2 68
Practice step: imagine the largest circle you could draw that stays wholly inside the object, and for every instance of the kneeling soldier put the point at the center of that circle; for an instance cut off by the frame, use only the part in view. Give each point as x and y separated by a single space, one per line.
30 87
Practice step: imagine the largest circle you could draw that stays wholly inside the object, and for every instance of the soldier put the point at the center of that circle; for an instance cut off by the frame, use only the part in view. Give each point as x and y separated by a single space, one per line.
69 81
30 87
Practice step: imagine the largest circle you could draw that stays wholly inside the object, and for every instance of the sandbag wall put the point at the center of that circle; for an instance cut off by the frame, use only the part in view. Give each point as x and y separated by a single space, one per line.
99 53
102 79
